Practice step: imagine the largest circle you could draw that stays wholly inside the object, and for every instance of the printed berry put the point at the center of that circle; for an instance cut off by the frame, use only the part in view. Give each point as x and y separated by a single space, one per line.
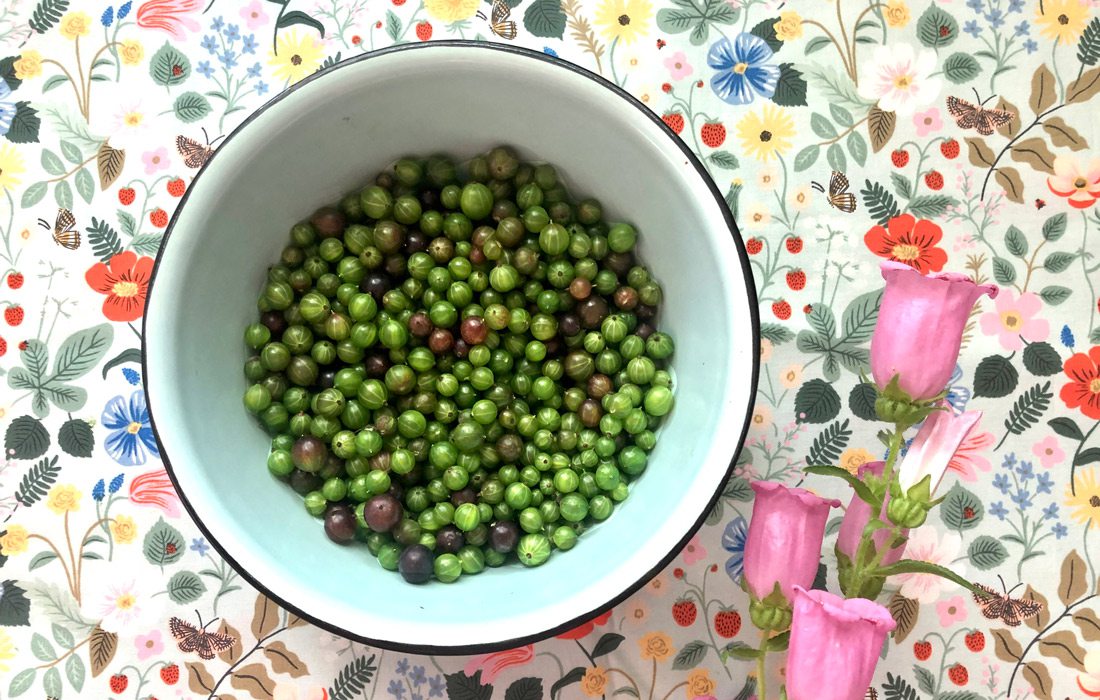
15 280
176 187
398 3
684 612
958 674
170 674
713 134
781 309
796 280
754 246
899 158
119 681
794 244
922 650
677 572
158 217
356 39
666 87
3 347
424 31
126 195
13 315
727 623
950 149
675 121
975 641
934 180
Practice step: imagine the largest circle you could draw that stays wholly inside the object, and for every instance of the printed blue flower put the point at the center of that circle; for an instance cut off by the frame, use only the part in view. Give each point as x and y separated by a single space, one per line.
228 58
1051 511
1015 5
108 16
1031 45
232 33
996 18
1025 470
7 108
217 24
131 375
1009 461
254 71
396 689
733 541
998 509
204 68
975 5
249 44
1059 531
416 696
436 687
130 441
1022 499
402 666
199 545
210 43
1044 483
261 88
1067 337
549 51
743 69
124 9
418 677
98 491
1001 483
972 28
1022 29
116 483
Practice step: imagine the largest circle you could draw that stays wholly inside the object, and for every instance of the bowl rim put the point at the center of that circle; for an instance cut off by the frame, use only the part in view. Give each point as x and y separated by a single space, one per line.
666 559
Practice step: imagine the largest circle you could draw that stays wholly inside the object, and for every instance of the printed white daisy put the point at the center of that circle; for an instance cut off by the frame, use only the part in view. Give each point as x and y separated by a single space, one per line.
899 79
123 605
925 544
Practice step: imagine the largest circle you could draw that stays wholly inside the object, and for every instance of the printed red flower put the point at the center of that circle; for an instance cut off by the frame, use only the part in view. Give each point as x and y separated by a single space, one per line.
492 664
155 489
585 628
908 240
170 16
125 281
1083 391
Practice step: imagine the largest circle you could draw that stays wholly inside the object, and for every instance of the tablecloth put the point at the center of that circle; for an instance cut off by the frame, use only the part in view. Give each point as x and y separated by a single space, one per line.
948 135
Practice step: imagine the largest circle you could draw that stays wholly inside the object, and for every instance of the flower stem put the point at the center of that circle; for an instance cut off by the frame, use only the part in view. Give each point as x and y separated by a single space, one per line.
762 668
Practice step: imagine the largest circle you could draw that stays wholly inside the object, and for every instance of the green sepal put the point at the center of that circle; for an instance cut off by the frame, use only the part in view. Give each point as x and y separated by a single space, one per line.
779 642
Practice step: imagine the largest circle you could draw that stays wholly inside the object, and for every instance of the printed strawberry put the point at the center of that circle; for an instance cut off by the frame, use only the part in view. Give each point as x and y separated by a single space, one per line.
424 31
119 681
727 623
922 650
781 309
754 245
796 280
684 612
398 3
15 280
900 158
713 134
13 315
158 217
126 195
975 641
958 674
950 149
3 347
675 121
170 674
934 180
176 187
794 244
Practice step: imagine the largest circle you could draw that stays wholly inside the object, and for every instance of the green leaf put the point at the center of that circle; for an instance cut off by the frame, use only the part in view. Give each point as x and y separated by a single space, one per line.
723 159
393 25
51 163
902 185
85 185
961 509
961 67
544 18
861 316
861 401
776 333
835 156
1058 262
790 88
82 351
62 636
163 544
41 648
857 147
26 438
130 355
861 489
822 320
37 481
781 641
7 72
879 202
46 14
1054 227
840 115
822 126
1003 271
1054 294
986 553
816 402
690 655
926 682
806 157
995 377
22 682
293 17
24 124
63 194
147 243
1088 46
829 443
71 152
74 671
33 195
960 695
463 687
816 44
126 222
76 438
185 587
524 689
607 644
909 566
65 396
574 676
738 489
742 651
766 31
41 559
103 239
191 107
936 28
1015 241
15 609
1088 456
169 66
833 86
1067 428
51 682
1042 360
931 206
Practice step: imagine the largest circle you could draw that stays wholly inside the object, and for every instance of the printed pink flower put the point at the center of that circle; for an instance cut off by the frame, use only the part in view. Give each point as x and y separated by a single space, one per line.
969 458
155 489
678 66
1079 183
925 544
253 14
155 160
694 551
1048 451
149 644
170 16
492 664
1012 320
928 121
951 611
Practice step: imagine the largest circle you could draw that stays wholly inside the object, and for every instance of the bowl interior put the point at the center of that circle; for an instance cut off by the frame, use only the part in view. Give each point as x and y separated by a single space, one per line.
328 136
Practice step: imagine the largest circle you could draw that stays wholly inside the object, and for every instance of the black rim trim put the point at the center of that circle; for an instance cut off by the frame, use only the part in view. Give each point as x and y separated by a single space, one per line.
754 313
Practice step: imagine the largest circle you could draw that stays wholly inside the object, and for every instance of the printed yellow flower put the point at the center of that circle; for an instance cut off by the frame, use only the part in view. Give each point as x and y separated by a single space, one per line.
791 377
1086 502
896 13
789 26
63 499
656 645
298 55
14 540
766 133
1063 20
594 682
699 683
75 24
131 52
124 529
855 457
451 10
11 166
29 65
7 651
624 20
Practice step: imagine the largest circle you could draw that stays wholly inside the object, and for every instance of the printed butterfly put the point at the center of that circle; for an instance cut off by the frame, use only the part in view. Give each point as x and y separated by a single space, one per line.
971 116
191 638
194 153
839 196
499 23
64 230
999 606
